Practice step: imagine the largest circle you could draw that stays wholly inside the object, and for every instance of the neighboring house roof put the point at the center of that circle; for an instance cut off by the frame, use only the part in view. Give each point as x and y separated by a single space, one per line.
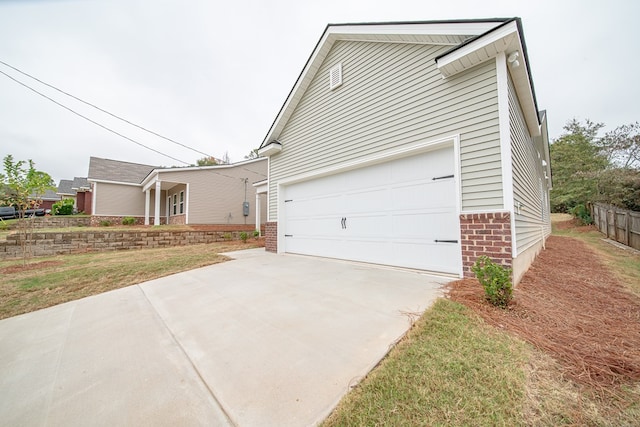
471 41
50 195
65 187
80 184
117 171
218 169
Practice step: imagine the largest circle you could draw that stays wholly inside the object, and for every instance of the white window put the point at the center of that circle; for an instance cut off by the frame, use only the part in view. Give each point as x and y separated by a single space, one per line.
335 76
175 203
182 202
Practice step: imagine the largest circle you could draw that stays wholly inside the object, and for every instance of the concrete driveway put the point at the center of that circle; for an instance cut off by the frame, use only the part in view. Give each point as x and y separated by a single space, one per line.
261 340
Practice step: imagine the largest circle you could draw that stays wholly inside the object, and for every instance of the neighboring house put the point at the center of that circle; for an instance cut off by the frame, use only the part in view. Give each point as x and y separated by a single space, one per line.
48 199
221 194
77 189
416 145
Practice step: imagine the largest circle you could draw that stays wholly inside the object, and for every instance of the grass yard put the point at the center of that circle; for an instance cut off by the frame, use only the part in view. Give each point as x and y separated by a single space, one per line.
53 280
456 369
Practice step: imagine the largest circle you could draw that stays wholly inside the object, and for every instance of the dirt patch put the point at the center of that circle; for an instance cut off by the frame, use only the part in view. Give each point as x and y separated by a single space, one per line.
573 224
571 306
30 266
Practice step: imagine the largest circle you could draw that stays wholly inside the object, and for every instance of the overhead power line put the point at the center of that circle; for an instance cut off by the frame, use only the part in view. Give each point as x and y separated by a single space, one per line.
101 109
90 120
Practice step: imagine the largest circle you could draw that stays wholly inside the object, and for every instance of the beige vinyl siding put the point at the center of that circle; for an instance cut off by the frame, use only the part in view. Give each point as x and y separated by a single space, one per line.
118 200
528 180
392 96
215 196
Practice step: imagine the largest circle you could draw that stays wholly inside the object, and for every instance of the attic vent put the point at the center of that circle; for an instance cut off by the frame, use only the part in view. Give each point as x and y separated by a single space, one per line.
335 76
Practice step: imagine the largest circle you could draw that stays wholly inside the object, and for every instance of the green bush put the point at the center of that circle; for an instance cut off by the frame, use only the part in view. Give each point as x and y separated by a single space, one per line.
226 236
582 214
244 236
105 223
256 234
495 279
63 207
128 220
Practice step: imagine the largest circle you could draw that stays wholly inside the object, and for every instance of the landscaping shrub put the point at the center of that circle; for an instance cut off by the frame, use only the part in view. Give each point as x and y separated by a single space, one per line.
256 234
128 220
582 214
495 279
63 207
244 236
226 236
105 223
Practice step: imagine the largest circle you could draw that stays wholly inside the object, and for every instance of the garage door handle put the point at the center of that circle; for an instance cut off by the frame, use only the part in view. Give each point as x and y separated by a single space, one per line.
445 241
442 177
343 222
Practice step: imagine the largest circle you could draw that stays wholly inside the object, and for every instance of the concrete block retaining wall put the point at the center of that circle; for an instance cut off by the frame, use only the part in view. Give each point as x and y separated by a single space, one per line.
55 243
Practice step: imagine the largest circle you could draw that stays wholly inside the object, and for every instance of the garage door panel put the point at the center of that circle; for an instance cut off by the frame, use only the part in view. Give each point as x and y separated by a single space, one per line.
317 226
425 225
390 213
371 200
433 257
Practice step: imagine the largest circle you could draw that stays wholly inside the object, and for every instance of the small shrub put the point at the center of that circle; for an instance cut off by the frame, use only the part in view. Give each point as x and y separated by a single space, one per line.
256 234
63 207
244 236
3 225
495 279
226 236
105 223
582 214
128 220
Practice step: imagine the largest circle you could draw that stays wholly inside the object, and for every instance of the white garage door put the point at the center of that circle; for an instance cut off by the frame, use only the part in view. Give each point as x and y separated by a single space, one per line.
401 213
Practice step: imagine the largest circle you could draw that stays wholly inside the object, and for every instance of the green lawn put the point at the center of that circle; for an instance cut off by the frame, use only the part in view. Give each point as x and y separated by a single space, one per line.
53 280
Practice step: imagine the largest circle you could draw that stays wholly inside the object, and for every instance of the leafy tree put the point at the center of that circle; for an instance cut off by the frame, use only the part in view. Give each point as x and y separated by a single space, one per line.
253 154
576 161
207 161
620 187
23 187
622 146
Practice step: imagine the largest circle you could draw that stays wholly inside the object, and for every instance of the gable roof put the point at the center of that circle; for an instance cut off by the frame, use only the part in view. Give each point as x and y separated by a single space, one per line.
117 171
50 195
80 184
467 38
65 187
507 38
446 33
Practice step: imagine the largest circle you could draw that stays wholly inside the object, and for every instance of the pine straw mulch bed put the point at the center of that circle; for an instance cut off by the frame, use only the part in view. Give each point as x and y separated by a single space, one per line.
570 305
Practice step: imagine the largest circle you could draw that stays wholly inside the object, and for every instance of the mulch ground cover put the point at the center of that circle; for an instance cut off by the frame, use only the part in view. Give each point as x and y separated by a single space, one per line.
570 305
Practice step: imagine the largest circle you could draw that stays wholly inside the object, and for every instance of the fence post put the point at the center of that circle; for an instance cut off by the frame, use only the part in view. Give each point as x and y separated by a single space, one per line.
627 216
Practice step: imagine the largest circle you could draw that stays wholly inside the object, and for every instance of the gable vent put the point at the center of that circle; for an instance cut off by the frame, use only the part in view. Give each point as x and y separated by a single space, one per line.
335 76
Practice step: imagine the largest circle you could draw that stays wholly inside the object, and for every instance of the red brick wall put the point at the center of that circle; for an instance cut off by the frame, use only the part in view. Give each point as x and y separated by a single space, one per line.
485 234
271 236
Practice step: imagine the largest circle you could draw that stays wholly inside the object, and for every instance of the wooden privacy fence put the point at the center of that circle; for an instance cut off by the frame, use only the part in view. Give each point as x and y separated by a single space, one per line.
618 224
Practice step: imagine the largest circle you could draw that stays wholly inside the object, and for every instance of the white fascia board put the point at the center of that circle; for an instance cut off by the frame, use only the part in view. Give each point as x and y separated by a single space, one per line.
505 32
426 28
105 181
270 149
150 184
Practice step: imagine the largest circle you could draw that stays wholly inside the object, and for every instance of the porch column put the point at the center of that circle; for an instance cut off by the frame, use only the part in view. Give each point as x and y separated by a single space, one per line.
156 216
147 203
258 213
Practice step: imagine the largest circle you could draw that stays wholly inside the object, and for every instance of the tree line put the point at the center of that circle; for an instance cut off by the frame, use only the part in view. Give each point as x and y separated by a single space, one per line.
587 167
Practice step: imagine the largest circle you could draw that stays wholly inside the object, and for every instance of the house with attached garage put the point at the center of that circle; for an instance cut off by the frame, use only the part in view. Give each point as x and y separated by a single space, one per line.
412 144
223 195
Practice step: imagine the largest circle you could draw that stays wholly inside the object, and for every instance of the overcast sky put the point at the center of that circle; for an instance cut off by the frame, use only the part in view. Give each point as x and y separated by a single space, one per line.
213 75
